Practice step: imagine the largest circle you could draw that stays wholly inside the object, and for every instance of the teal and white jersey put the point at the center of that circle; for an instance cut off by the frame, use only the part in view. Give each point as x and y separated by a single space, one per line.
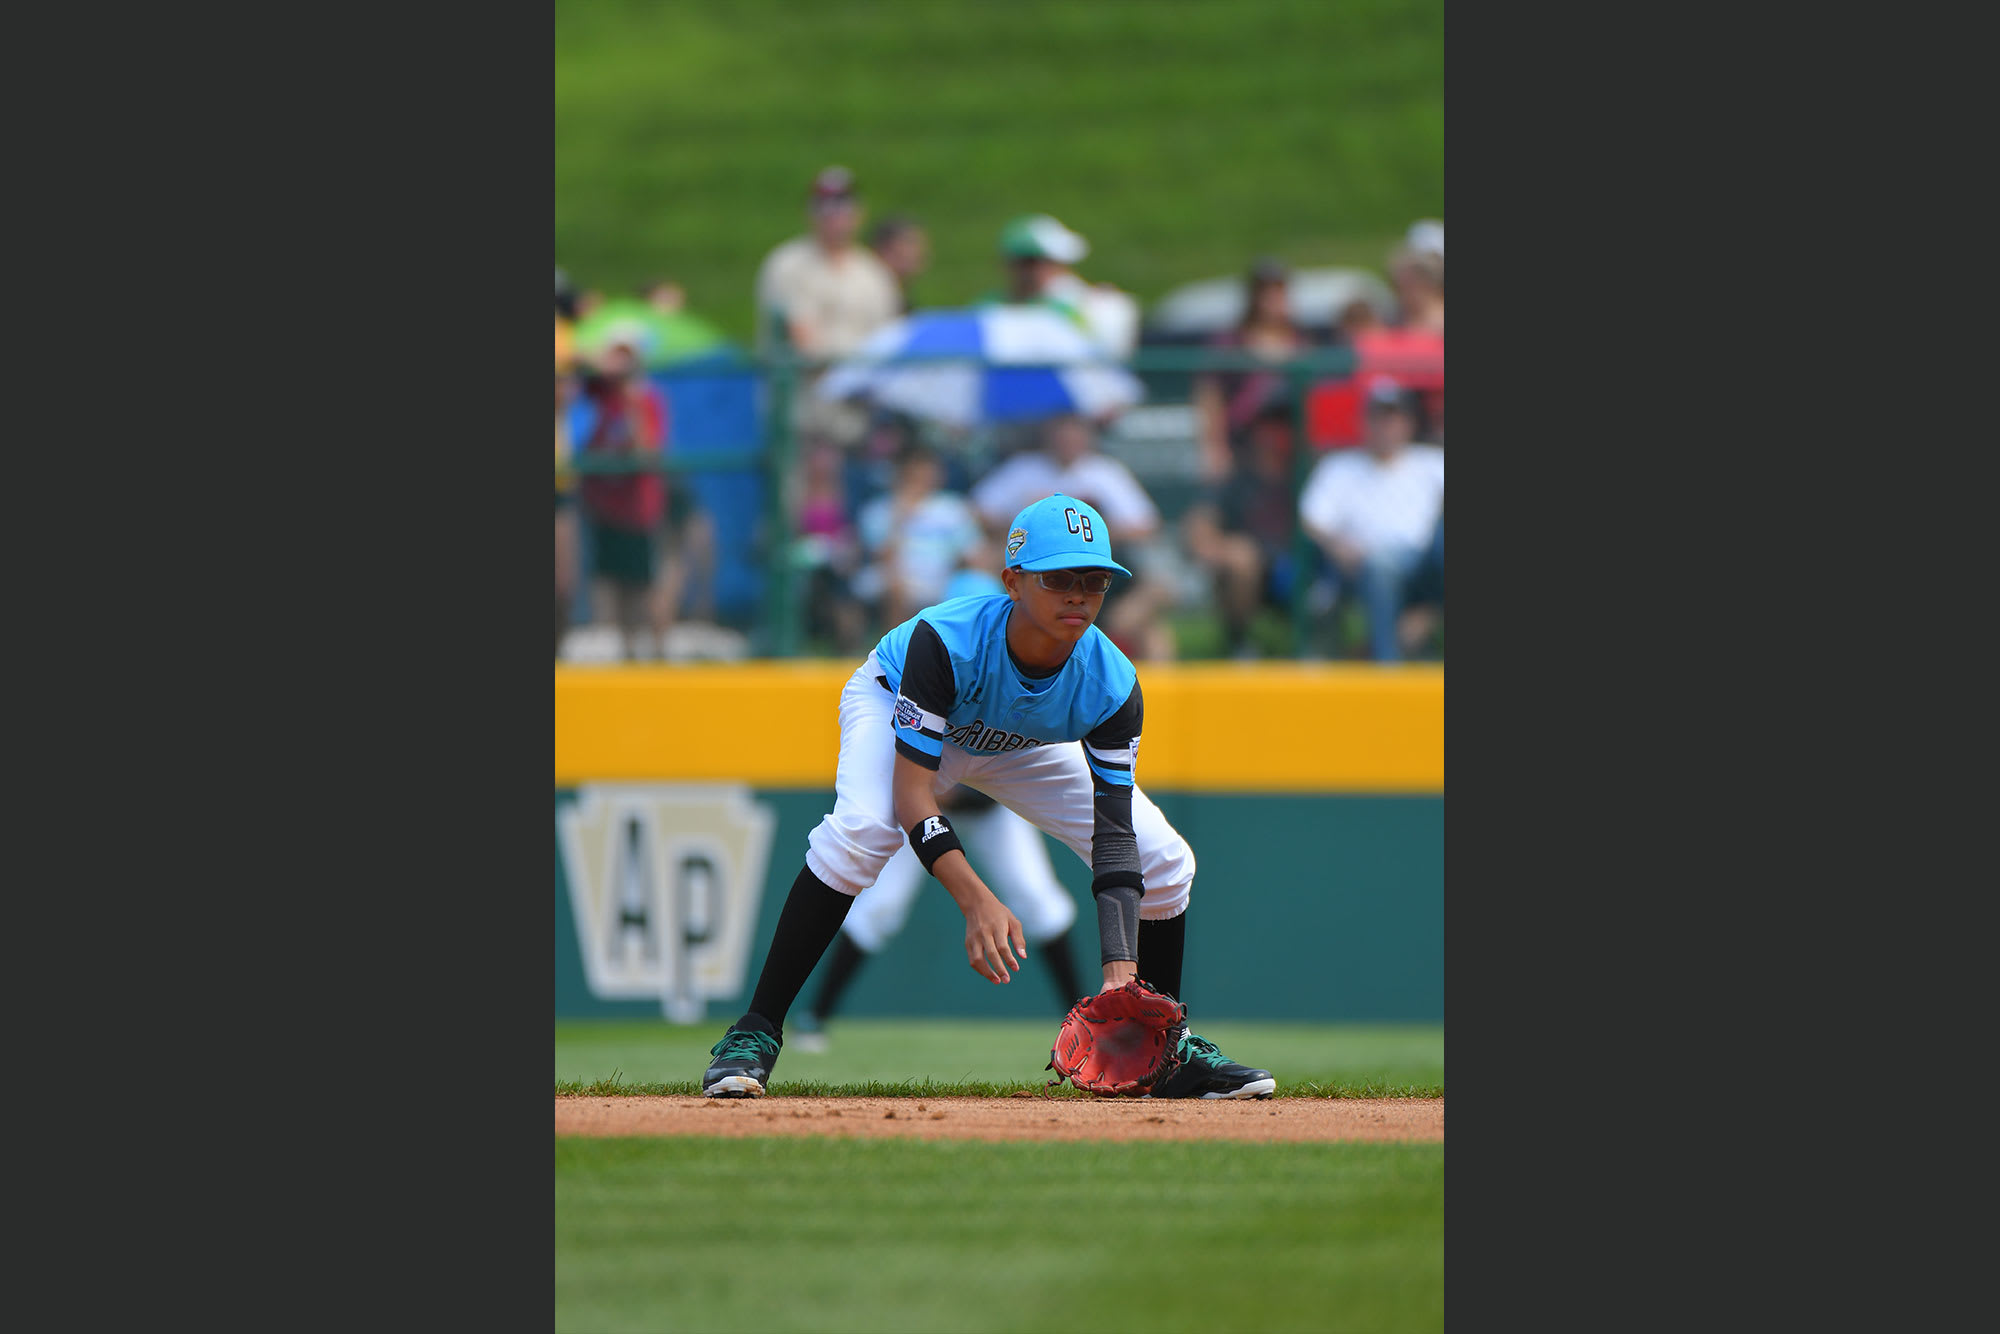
957 685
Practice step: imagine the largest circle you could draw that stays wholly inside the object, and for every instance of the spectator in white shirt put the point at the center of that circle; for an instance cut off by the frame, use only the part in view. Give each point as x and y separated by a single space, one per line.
1377 512
1070 462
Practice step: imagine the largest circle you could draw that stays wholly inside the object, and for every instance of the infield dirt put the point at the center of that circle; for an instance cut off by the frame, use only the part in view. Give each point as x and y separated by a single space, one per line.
1276 1119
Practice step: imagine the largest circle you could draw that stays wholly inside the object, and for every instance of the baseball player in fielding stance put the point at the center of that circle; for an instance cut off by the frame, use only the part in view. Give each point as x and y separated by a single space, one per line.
1022 697
1027 880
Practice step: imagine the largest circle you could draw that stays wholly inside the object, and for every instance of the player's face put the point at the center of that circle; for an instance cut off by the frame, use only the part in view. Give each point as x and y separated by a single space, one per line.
1060 615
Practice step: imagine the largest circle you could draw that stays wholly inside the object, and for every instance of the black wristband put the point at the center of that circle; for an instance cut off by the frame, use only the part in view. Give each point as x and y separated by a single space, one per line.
931 838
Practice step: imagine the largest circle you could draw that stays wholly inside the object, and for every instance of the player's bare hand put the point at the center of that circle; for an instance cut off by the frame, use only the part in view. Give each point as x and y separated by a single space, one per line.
1117 973
994 941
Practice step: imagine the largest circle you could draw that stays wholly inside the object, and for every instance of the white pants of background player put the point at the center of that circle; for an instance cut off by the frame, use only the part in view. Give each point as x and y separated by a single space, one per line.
1048 786
1011 858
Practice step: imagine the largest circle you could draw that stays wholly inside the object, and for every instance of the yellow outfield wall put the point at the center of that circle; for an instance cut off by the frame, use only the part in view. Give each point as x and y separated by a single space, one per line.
1210 727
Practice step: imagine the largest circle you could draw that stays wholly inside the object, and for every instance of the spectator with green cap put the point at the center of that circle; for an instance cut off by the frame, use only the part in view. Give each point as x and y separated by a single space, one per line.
1039 253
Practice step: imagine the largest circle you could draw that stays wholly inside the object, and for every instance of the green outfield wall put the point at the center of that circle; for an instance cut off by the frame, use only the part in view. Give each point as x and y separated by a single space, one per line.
1318 899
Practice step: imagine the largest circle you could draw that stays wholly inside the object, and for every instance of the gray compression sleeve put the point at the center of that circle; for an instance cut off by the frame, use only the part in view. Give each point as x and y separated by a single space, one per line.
1117 922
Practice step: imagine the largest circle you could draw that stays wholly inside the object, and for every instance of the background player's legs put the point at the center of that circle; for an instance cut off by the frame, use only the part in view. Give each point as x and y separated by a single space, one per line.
1014 860
881 909
1061 960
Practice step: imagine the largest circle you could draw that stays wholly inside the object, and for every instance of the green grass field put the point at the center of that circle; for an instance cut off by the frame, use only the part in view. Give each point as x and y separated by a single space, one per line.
890 1235
1181 139
821 1233
880 1056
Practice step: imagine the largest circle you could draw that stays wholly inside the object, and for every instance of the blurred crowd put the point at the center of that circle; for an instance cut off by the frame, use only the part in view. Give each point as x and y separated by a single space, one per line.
1333 503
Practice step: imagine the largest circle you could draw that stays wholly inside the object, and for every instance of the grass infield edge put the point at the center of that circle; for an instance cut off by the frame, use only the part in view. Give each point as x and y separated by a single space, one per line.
614 1087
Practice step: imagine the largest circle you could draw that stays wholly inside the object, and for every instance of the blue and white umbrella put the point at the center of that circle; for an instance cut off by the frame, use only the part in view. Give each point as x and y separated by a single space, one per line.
1033 362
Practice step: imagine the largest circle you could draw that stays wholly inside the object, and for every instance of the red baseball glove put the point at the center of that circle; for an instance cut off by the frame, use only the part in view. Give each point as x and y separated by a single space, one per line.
1119 1042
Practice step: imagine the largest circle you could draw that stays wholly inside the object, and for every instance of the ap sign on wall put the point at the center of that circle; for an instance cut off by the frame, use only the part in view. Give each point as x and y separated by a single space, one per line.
664 884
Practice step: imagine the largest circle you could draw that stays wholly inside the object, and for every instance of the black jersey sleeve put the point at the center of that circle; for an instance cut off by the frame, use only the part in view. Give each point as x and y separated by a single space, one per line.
1112 749
925 701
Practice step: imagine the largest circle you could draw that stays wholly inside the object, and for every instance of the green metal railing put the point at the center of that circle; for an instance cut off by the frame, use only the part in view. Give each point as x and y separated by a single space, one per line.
783 373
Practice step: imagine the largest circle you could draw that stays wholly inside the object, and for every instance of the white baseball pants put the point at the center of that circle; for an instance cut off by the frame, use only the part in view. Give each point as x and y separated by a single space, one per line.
1048 786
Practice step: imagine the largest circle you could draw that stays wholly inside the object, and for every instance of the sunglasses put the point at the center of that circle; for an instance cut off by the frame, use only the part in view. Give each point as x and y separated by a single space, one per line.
1062 581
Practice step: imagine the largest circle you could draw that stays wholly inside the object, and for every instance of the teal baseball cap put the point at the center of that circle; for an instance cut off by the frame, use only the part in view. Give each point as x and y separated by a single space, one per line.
1060 532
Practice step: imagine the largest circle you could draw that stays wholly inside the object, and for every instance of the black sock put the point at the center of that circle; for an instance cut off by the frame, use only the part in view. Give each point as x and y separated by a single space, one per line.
1161 946
811 918
840 969
1055 953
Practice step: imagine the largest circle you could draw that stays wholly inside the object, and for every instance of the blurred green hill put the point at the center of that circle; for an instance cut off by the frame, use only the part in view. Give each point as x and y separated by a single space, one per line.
1182 137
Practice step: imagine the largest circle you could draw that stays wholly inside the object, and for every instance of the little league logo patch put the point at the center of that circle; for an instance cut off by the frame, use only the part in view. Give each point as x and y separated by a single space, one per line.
906 713
1015 539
